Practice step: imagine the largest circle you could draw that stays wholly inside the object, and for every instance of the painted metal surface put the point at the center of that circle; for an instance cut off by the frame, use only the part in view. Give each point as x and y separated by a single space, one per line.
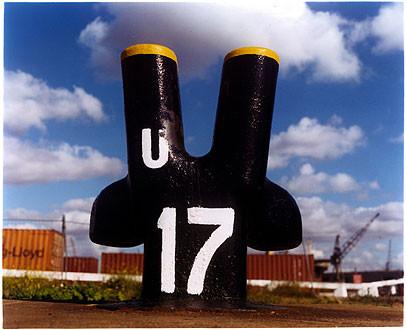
196 215
122 263
81 264
32 249
284 267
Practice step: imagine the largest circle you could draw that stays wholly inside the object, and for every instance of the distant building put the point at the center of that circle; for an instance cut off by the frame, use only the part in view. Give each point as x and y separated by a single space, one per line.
372 276
366 276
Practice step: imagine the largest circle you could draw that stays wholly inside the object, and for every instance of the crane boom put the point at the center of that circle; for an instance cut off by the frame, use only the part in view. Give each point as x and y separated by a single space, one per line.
340 252
354 239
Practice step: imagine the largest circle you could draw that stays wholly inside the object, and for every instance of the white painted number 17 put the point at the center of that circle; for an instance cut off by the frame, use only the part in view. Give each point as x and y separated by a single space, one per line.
224 217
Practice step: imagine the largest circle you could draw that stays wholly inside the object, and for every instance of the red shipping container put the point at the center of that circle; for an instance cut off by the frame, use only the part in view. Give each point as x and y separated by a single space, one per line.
122 263
283 267
81 264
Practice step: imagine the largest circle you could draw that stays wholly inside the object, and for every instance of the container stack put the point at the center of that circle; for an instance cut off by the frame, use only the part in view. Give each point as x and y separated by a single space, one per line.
33 249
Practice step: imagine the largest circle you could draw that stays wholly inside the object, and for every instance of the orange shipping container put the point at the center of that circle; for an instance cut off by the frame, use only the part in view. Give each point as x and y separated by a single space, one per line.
81 264
33 249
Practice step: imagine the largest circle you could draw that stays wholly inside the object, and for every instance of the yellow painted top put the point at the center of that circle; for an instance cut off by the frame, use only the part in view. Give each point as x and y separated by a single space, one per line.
252 51
148 49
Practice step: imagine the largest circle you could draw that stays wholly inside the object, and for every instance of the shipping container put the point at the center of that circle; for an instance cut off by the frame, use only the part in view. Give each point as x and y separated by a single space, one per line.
280 267
33 249
122 263
286 267
81 264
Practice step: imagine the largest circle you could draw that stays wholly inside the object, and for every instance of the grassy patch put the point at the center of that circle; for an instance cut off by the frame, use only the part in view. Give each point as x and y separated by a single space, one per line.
286 294
114 290
289 294
377 301
121 288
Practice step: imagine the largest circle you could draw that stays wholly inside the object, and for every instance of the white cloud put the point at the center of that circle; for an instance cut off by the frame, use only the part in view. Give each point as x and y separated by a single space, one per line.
374 185
397 139
94 36
22 218
321 217
385 30
29 102
397 262
323 220
308 181
27 162
387 27
381 246
328 218
13 225
311 139
77 214
78 204
201 34
335 120
22 213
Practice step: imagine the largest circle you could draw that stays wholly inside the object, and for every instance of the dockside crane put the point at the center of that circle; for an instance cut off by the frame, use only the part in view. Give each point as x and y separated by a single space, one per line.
340 252
388 261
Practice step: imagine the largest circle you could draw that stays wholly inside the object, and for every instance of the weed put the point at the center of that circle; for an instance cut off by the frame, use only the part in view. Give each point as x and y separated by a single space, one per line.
27 287
286 294
378 301
123 288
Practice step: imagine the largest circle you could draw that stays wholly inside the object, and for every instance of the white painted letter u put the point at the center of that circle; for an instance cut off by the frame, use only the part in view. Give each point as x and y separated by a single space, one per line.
163 152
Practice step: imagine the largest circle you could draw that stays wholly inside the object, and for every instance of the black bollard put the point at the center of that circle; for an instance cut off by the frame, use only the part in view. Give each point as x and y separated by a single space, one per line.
196 215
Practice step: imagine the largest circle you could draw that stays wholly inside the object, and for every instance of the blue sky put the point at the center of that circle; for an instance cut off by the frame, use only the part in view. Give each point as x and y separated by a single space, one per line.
337 132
